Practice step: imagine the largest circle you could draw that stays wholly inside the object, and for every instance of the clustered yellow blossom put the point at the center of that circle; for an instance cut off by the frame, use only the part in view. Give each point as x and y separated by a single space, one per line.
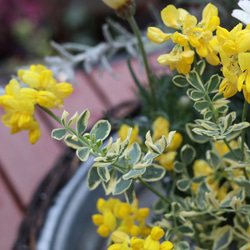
122 241
213 178
190 35
233 47
161 127
19 103
115 215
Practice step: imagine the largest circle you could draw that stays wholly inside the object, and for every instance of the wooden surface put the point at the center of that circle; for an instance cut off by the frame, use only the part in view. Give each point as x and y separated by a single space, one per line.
23 166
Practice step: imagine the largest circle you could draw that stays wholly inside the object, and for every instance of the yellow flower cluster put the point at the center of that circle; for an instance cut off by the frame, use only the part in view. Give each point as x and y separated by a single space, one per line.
190 34
213 178
161 127
122 241
116 215
19 103
233 47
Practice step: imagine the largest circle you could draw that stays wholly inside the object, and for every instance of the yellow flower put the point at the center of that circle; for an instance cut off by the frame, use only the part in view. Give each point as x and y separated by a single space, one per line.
45 89
122 210
167 160
152 241
201 167
189 35
19 112
136 244
179 58
245 68
229 83
123 131
175 143
167 245
120 237
160 127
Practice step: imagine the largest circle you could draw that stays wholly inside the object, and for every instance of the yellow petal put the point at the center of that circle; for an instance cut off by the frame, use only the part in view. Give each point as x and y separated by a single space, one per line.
222 34
157 36
240 81
170 16
180 39
244 61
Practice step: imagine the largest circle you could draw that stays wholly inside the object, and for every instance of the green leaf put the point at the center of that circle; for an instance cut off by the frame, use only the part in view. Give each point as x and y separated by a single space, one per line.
222 109
93 178
213 159
193 136
186 230
159 207
181 245
213 83
201 105
109 185
180 81
223 238
217 97
82 122
153 173
238 193
242 183
134 153
208 125
72 120
122 186
83 153
195 95
72 142
187 154
199 179
100 130
201 66
178 166
227 120
130 195
183 184
195 81
58 133
64 117
208 115
133 174
103 173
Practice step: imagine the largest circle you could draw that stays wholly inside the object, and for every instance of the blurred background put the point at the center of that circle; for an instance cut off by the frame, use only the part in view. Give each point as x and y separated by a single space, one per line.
26 29
28 26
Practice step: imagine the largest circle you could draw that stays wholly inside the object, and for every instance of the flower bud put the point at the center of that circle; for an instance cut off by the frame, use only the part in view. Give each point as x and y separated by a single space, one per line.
123 8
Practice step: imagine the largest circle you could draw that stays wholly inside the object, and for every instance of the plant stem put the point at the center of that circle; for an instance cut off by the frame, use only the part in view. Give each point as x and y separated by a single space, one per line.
154 191
136 31
243 131
243 135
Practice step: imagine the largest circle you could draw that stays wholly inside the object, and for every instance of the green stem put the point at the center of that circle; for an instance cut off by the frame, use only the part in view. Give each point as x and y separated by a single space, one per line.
243 136
231 150
136 31
154 191
243 131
